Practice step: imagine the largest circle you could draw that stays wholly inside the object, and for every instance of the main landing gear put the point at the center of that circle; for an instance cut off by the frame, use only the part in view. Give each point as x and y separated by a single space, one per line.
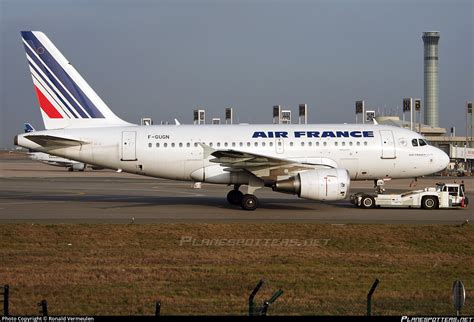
247 201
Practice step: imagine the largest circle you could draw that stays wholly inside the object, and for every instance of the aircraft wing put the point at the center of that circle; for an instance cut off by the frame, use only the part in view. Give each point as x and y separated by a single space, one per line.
49 141
262 166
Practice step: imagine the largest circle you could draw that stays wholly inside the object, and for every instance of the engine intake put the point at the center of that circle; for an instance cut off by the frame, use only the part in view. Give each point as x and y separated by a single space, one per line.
324 184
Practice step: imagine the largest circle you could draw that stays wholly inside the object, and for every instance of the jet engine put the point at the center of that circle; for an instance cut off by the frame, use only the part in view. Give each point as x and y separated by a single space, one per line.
323 184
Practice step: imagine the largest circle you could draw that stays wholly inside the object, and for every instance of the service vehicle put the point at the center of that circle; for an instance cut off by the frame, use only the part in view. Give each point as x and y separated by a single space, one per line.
443 195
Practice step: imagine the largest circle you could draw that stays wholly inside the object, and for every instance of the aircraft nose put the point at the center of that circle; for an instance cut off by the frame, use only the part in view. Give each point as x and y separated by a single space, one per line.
442 159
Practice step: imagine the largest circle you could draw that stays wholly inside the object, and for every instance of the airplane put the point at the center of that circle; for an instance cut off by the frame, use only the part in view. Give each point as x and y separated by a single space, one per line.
53 160
312 161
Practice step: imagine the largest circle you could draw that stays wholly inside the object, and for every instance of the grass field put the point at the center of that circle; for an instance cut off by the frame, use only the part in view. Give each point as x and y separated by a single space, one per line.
322 269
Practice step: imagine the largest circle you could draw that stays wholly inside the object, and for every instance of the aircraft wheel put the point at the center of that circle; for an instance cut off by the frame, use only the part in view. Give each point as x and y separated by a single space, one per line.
367 202
249 202
234 197
429 202
70 169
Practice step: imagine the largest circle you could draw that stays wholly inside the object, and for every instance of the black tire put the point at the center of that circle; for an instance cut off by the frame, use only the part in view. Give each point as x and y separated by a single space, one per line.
70 169
249 202
367 202
234 197
429 202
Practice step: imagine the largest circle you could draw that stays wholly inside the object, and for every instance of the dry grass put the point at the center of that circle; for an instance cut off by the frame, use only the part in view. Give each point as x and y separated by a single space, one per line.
124 269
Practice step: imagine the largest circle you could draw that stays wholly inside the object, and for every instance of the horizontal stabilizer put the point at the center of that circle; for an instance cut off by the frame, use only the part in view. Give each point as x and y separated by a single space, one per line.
50 141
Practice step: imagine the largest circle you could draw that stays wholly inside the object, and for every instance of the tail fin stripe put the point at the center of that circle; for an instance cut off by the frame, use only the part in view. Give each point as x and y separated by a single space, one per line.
65 79
46 106
47 86
47 93
55 82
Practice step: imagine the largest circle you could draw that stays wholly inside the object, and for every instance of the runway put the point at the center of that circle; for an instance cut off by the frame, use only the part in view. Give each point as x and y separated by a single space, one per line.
38 193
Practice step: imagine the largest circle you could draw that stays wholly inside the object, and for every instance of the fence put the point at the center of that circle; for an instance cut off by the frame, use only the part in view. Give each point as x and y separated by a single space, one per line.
375 303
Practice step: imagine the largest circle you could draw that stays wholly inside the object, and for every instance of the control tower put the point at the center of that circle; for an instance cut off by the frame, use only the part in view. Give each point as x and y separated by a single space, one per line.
430 40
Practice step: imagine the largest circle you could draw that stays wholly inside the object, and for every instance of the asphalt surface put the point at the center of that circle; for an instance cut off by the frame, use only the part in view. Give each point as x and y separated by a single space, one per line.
38 193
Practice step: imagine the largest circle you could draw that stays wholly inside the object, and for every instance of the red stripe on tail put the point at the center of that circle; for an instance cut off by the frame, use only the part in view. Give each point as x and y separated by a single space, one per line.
46 106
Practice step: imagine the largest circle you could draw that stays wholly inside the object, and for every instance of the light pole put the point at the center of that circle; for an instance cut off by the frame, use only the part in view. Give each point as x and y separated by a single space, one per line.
468 111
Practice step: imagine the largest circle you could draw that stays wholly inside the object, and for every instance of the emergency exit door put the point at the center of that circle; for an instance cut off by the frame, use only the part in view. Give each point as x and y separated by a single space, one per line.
129 147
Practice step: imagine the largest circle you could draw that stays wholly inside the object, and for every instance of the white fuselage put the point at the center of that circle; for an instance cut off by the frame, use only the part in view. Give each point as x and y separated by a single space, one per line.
183 152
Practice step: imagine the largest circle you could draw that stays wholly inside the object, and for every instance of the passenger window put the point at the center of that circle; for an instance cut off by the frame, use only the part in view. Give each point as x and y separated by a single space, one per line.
233 144
157 145
291 143
241 144
271 143
149 145
218 144
365 143
317 143
414 142
325 143
343 143
180 145
358 143
256 144
310 143
172 145
195 144
188 145
302 143
248 143
165 145
210 144
335 143
226 144
350 143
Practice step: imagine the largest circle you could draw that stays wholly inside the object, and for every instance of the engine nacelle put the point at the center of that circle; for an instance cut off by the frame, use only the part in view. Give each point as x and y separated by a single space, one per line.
324 184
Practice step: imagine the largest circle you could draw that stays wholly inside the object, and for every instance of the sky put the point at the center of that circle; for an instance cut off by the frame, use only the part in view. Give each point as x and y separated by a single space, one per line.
163 59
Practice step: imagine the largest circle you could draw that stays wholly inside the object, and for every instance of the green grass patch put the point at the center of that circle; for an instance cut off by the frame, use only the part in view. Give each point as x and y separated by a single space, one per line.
323 269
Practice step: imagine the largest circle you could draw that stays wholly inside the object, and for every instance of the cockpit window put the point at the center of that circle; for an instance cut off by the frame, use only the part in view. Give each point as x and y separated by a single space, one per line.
414 142
422 142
